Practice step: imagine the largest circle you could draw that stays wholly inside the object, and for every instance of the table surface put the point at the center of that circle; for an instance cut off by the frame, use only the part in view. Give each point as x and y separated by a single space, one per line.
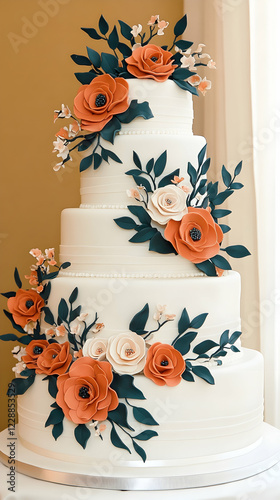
264 486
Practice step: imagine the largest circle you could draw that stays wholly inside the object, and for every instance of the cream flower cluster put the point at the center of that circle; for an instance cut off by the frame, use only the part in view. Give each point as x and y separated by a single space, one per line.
126 352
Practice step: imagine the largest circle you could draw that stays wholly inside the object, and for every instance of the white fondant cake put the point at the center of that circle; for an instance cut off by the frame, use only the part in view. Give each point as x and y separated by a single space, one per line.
142 333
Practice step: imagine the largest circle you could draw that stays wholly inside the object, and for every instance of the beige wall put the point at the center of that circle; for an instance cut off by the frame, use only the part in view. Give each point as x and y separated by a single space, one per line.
37 76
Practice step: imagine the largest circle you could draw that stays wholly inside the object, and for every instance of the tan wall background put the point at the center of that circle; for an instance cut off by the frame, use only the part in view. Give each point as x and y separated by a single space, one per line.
37 76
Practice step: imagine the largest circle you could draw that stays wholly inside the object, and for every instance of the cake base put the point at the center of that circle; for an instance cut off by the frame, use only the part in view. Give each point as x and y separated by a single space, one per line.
213 470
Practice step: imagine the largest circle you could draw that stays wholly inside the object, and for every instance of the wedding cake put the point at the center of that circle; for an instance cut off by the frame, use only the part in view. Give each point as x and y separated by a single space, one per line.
131 360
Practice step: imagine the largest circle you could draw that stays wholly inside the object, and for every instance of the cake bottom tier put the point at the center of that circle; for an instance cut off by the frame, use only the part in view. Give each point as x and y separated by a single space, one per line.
196 421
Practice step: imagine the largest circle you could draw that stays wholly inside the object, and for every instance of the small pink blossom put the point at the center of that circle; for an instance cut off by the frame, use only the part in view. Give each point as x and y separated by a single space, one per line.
102 427
39 288
78 354
170 317
35 252
186 189
177 179
211 64
133 193
52 262
153 20
29 328
162 25
33 278
50 331
60 331
194 80
204 55
40 260
204 86
82 316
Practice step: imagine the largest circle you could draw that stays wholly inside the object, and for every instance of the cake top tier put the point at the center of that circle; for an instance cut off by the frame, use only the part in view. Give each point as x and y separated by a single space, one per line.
138 87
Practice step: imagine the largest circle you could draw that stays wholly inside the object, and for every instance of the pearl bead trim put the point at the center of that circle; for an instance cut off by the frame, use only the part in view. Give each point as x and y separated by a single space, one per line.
131 275
88 205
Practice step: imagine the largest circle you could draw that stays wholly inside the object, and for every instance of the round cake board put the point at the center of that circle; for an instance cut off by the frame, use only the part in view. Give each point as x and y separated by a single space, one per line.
216 471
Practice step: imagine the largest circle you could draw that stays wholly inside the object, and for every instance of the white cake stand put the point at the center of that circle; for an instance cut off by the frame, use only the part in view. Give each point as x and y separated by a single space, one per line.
262 457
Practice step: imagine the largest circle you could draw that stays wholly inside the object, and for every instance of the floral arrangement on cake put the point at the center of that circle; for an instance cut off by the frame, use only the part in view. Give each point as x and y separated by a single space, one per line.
89 375
182 218
102 104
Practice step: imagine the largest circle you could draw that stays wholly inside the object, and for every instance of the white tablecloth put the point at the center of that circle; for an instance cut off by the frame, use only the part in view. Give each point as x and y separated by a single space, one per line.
264 486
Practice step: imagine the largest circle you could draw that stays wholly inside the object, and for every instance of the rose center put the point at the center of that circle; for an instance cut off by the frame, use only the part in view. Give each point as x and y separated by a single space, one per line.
129 352
154 59
37 349
99 350
168 201
83 392
100 100
164 362
29 303
54 356
195 234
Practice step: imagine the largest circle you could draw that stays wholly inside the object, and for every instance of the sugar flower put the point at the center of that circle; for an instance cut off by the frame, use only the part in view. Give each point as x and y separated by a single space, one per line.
95 348
133 193
97 327
136 29
194 80
19 367
211 64
161 27
18 352
61 148
153 20
204 86
36 252
126 353
176 179
188 62
64 112
199 48
58 166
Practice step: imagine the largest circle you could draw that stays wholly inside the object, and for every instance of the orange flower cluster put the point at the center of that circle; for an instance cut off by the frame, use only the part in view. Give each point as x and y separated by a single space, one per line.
46 358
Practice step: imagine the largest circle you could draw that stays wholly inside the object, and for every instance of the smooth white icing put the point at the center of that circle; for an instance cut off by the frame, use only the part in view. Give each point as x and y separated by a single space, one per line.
117 300
108 184
195 420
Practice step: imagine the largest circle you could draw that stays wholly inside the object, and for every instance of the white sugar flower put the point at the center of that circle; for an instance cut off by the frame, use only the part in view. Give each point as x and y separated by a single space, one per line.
204 55
18 352
133 193
76 328
61 148
136 46
126 353
29 328
200 47
58 166
19 367
82 317
159 312
95 348
136 29
188 62
211 64
166 203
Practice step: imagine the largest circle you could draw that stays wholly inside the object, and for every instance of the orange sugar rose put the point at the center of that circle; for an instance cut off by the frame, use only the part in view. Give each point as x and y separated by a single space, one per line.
55 359
25 306
196 237
97 103
150 61
164 365
84 393
33 350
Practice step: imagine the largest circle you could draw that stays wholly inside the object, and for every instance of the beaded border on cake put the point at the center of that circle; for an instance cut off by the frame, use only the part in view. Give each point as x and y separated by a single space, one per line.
131 275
